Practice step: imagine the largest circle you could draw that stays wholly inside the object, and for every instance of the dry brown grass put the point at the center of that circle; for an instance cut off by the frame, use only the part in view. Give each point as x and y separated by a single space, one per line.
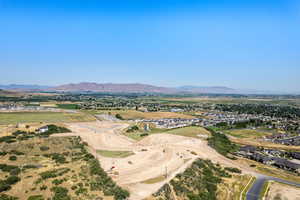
253 142
133 114
282 191
231 188
79 169
269 170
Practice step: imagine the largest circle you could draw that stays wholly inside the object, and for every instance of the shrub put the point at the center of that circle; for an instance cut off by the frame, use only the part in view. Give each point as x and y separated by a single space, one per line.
118 116
30 167
36 197
234 170
3 153
12 169
12 180
44 148
81 190
7 197
144 134
57 181
60 193
18 132
132 129
8 139
4 186
74 187
15 152
54 173
43 187
13 158
58 158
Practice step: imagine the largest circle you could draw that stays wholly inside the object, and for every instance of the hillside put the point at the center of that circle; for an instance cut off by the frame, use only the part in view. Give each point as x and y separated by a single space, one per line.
114 88
217 89
131 88
203 180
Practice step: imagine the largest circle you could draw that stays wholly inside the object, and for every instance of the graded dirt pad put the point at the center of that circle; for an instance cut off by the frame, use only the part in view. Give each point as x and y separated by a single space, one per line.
282 191
154 156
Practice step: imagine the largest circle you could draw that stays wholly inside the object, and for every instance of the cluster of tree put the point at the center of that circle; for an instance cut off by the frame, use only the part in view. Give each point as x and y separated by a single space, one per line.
221 143
57 157
53 173
5 185
279 111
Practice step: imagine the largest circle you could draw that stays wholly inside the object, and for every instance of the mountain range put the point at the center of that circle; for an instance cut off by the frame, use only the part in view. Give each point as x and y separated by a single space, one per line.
131 88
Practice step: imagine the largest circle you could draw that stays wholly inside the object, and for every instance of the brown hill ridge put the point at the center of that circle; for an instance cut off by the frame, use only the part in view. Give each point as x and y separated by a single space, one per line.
114 88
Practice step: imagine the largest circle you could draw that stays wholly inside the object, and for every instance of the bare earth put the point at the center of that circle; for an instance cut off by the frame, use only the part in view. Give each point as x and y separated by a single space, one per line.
155 156
282 191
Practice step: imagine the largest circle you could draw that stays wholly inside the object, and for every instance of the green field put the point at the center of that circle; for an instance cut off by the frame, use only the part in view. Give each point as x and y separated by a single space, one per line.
115 154
68 106
48 117
249 133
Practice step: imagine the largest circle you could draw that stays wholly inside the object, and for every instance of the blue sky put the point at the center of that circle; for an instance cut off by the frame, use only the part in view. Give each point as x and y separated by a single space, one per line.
241 44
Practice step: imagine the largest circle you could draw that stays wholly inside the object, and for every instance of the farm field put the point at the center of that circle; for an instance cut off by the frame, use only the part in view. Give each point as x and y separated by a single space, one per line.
49 117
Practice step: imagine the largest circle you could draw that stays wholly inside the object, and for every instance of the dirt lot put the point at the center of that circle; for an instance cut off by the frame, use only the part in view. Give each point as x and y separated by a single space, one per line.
282 191
154 156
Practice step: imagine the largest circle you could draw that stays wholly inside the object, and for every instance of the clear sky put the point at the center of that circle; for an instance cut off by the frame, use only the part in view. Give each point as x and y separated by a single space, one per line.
245 44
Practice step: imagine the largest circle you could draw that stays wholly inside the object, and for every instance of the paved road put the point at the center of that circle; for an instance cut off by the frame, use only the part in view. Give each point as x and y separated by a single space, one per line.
253 193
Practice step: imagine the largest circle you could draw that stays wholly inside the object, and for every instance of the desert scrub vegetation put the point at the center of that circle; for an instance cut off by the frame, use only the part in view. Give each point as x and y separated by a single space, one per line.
198 182
23 135
7 197
56 168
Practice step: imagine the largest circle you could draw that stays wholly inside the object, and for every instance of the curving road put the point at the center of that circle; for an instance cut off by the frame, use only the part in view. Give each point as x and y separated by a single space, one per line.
255 190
